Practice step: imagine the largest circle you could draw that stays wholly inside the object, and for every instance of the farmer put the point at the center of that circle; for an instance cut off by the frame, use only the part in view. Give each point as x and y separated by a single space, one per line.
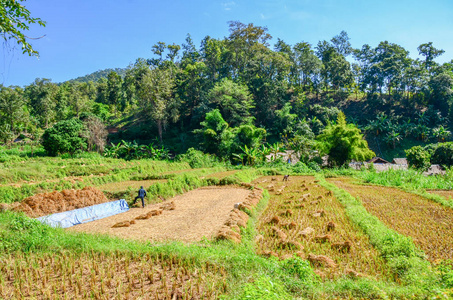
141 195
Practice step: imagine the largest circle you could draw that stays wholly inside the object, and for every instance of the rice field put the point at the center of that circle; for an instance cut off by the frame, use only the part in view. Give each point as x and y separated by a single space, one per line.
428 223
221 175
69 275
304 219
115 187
446 194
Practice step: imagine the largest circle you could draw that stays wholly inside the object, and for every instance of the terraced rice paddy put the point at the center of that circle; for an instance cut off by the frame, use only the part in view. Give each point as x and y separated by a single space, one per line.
221 175
114 187
69 275
303 204
428 223
446 194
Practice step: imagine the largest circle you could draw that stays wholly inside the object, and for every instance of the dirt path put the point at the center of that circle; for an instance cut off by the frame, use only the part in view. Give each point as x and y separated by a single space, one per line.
199 213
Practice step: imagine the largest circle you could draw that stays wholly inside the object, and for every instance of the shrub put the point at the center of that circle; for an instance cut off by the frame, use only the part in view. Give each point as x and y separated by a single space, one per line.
418 158
301 268
264 288
443 155
64 137
198 159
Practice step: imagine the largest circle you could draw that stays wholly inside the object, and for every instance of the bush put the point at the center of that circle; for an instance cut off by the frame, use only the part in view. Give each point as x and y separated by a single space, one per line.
198 159
264 288
418 158
443 154
301 268
64 137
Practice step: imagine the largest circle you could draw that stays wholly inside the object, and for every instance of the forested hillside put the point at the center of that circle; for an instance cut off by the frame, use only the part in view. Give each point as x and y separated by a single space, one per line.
229 96
98 75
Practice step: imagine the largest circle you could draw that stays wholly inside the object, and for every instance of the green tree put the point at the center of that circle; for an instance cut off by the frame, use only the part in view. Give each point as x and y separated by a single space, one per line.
14 20
441 87
430 53
343 142
336 70
41 95
389 64
247 135
443 154
213 132
233 100
190 86
341 43
418 158
156 98
65 137
12 110
173 51
78 101
307 63
115 92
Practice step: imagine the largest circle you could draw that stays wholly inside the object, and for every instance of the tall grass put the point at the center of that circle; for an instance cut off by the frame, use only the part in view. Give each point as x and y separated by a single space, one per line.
410 178
411 181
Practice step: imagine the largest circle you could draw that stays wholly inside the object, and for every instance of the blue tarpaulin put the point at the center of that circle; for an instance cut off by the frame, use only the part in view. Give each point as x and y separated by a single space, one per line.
87 214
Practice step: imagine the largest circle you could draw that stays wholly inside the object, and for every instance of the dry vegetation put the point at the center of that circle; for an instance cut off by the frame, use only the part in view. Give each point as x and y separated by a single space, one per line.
446 194
196 214
305 219
55 202
429 224
69 275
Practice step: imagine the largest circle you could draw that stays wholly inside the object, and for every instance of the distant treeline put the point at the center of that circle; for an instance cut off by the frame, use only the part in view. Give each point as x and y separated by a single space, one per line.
285 90
95 76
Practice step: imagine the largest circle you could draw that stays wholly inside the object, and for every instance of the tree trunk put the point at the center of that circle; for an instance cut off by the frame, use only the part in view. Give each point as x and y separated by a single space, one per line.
159 129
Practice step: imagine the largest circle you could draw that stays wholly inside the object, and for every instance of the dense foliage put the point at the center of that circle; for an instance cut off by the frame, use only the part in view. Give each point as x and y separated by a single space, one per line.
439 154
64 137
286 94
343 143
14 20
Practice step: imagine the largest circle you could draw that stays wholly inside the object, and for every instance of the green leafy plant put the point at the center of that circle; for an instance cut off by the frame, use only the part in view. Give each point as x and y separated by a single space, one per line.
418 158
64 137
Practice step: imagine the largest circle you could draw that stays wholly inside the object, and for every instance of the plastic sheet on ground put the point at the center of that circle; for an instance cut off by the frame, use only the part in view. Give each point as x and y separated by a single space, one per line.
87 214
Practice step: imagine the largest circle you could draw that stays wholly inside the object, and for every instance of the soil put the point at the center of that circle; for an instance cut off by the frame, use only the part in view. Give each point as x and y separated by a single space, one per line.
199 213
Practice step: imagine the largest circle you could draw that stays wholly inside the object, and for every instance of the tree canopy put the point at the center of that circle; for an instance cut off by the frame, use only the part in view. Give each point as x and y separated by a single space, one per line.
244 94
15 19
343 142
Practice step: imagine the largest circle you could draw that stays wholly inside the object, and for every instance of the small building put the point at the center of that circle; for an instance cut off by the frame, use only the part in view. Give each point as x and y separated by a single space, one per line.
400 161
289 156
378 160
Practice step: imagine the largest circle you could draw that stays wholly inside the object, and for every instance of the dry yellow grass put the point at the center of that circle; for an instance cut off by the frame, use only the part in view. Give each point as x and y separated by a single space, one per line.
301 210
446 194
69 275
428 223
199 213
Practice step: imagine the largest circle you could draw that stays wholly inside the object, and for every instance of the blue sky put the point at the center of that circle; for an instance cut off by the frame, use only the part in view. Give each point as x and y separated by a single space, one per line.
83 36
